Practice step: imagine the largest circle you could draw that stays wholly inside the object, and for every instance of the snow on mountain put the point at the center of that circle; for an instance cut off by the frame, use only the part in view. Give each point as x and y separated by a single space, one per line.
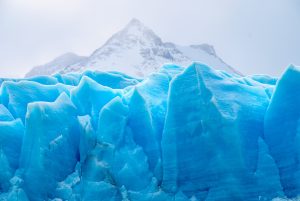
55 65
137 51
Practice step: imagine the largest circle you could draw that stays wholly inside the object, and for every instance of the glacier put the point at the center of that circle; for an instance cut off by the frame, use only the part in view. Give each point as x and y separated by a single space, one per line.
180 134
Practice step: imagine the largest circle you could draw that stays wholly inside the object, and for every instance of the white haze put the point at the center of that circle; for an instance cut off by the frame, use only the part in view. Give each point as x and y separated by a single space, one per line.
253 36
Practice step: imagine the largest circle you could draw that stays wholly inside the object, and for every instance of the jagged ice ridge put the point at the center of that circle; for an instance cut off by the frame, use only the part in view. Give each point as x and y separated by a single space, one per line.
179 134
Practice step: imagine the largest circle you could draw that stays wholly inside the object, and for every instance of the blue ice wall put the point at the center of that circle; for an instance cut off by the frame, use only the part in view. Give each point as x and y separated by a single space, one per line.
180 135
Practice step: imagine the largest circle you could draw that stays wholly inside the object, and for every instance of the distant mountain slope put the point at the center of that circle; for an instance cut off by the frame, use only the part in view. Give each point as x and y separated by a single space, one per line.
55 65
135 50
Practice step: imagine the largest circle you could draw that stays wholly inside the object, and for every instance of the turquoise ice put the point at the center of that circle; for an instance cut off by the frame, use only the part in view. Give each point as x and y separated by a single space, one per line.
180 134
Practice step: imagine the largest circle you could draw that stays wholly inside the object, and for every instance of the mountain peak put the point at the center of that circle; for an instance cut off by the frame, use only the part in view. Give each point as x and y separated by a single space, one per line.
135 22
136 50
136 30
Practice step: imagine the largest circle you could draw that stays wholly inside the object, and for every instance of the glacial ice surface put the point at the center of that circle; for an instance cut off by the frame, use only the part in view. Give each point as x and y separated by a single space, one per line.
179 134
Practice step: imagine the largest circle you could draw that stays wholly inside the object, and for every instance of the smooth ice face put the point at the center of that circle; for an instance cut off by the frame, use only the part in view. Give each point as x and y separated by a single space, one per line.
179 134
282 130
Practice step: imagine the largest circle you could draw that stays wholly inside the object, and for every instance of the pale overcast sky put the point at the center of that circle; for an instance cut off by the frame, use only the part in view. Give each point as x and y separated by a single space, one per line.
253 36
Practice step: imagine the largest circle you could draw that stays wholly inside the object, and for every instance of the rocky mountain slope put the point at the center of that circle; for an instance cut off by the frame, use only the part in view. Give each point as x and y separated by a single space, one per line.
135 50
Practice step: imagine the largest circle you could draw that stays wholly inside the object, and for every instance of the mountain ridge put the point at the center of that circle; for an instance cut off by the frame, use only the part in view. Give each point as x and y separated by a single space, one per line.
137 51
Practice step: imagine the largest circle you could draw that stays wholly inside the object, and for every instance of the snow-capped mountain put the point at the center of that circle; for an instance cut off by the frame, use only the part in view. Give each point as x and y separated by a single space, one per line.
55 65
135 50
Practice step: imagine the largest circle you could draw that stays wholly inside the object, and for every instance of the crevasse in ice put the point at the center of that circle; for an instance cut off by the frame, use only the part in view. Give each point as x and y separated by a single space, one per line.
180 134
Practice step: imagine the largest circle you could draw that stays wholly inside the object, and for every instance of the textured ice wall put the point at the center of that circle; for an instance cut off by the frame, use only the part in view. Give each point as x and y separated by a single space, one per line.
180 134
